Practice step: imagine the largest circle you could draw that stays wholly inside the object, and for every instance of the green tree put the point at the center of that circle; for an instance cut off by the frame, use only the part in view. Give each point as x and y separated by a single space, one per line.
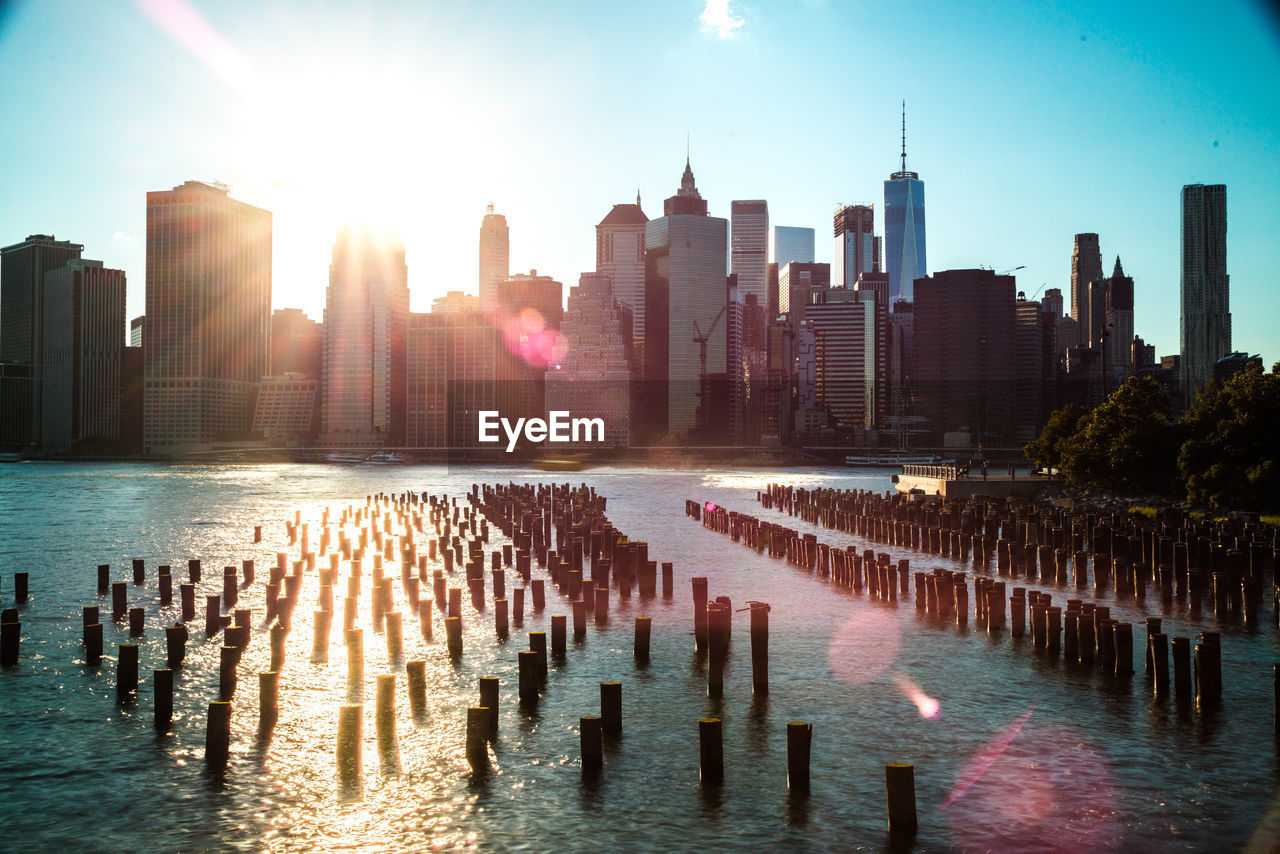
1230 458
1129 443
1046 449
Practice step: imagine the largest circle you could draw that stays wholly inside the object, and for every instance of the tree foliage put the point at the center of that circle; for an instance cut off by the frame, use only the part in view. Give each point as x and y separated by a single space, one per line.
1230 458
1045 450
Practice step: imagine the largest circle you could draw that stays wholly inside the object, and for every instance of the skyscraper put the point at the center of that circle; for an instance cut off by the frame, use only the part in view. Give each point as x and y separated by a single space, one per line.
749 247
1118 337
1206 303
1086 267
22 270
297 343
797 285
620 256
857 248
80 372
904 227
365 320
685 302
495 257
791 243
208 310
845 351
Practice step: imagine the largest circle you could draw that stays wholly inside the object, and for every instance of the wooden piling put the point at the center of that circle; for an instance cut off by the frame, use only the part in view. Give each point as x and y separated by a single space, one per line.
217 735
350 737
529 672
127 669
453 635
900 787
644 626
611 707
711 751
591 739
268 699
228 658
384 720
558 635
799 740
1181 669
416 681
478 738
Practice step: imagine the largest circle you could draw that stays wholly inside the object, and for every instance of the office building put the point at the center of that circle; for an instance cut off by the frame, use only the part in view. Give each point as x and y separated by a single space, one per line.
1035 368
620 256
848 350
1206 303
1086 267
857 248
455 302
685 303
1118 332
593 378
297 344
797 285
286 407
1051 303
135 330
904 229
208 316
791 243
749 247
17 390
495 257
132 400
1233 363
458 364
365 317
22 270
965 377
80 370
537 302
747 359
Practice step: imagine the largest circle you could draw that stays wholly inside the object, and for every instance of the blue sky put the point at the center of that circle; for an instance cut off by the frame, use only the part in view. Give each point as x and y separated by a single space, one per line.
1027 122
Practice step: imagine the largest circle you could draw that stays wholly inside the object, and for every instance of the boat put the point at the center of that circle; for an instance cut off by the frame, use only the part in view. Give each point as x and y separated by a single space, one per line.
891 460
559 464
344 458
385 458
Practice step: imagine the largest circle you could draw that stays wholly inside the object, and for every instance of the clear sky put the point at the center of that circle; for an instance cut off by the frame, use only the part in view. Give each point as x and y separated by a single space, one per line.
1028 122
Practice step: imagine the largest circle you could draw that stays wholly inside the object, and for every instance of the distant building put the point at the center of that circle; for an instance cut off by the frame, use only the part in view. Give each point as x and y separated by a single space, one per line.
900 410
208 310
286 407
593 378
1086 267
797 286
457 365
1144 356
791 243
857 248
878 284
771 286
1206 301
749 247
904 228
297 344
1051 303
1036 368
1119 329
685 303
1233 363
522 292
620 256
135 330
965 379
81 366
365 317
495 258
846 348
132 395
17 391
22 270
455 302
747 359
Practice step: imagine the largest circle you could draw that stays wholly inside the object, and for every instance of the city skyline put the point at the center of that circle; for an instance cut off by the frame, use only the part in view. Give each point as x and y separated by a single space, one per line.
1183 104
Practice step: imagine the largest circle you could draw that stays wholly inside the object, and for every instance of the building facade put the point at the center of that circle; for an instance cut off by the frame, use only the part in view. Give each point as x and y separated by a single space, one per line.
857 248
1086 267
454 302
297 343
495 257
1118 335
749 247
620 256
208 310
365 317
791 243
1206 302
904 230
285 408
848 356
80 372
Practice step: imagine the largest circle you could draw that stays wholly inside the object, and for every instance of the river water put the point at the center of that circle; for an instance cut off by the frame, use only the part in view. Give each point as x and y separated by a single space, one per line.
1012 750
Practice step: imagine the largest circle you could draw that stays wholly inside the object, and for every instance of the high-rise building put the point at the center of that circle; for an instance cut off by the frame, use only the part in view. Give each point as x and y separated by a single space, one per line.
1035 368
522 293
135 330
964 354
208 310
297 344
746 356
797 285
365 317
22 270
80 370
749 247
454 302
593 378
1206 303
857 248
685 303
1051 303
16 394
791 243
878 284
771 286
1118 334
846 348
1086 267
904 227
900 411
285 407
458 364
620 256
495 257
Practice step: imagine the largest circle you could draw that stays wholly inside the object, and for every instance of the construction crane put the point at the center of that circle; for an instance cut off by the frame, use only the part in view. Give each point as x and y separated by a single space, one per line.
702 337
1014 270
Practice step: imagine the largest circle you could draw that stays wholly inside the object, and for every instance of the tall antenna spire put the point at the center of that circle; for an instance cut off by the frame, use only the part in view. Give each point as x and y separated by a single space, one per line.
686 148
904 136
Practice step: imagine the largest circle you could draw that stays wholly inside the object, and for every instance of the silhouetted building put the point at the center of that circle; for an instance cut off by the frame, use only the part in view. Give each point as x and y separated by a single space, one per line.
22 270
454 302
132 396
1082 381
964 354
593 378
365 317
771 286
1118 334
685 303
777 403
1051 303
848 352
620 256
495 258
17 390
80 369
749 247
1035 368
857 248
1086 267
1233 363
878 284
458 364
521 292
797 285
900 411
135 330
747 358
297 344
791 244
1206 302
1144 356
208 310
904 228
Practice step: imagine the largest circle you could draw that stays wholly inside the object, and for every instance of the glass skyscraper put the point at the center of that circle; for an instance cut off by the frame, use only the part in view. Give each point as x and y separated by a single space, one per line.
904 228
792 243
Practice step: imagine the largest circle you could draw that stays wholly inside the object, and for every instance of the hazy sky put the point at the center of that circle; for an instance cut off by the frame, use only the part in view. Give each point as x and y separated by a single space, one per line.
1028 122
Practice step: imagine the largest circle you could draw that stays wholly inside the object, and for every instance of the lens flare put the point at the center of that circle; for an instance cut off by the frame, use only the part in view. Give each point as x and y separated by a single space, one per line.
865 646
927 706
